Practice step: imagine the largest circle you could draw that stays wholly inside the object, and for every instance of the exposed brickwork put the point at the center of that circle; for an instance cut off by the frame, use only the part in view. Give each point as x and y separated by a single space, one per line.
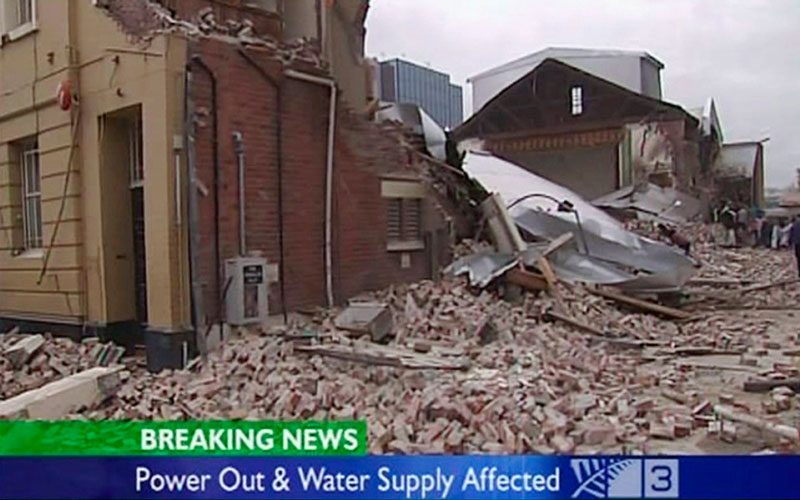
141 19
137 18
265 23
247 103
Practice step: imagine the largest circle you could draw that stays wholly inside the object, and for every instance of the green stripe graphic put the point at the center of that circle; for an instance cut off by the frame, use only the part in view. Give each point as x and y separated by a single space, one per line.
183 438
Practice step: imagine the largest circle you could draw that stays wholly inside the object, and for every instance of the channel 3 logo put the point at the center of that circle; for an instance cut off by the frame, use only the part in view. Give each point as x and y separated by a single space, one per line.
625 478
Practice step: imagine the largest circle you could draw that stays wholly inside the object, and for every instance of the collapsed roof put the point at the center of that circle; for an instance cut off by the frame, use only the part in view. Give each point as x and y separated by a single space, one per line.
603 250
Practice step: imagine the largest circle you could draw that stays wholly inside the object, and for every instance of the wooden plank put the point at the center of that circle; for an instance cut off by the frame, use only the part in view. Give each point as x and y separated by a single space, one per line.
595 333
642 304
717 282
766 385
702 351
758 288
385 357
558 243
755 422
527 280
719 366
550 276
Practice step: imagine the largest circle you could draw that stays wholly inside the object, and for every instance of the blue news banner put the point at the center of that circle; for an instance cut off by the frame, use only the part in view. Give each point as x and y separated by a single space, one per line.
381 477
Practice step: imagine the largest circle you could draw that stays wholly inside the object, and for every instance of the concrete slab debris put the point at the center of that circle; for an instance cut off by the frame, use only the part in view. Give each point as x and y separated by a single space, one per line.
22 350
57 399
372 319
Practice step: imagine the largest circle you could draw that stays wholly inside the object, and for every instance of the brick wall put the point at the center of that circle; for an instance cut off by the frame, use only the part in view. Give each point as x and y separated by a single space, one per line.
140 18
265 23
363 154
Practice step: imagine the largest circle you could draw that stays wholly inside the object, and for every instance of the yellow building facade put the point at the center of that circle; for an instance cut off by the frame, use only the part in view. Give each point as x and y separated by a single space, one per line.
75 184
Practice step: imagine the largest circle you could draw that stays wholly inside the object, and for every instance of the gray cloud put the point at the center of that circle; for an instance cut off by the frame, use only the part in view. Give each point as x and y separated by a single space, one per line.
741 52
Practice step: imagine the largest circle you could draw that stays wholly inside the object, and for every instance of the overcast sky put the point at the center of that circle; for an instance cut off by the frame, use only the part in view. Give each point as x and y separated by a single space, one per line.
743 53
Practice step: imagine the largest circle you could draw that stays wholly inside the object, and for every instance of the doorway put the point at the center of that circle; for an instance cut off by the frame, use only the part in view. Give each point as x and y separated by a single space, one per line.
122 172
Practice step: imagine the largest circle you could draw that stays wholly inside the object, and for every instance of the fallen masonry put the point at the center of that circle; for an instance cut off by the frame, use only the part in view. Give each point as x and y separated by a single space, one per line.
556 369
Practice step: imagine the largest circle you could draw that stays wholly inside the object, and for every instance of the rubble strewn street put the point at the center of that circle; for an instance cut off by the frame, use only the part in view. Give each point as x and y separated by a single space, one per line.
467 371
52 359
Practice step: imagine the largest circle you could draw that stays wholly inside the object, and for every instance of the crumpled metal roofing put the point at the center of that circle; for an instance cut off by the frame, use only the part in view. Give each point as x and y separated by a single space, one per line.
416 119
652 202
615 255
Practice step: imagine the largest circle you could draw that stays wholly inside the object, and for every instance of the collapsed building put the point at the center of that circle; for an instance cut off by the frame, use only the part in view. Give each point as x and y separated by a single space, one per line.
201 163
199 155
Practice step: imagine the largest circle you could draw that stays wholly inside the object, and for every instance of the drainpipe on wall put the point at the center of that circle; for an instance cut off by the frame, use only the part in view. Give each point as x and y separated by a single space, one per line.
238 146
327 82
194 242
196 59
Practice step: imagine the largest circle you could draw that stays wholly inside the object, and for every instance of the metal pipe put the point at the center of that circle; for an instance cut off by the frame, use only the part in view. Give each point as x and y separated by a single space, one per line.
328 172
279 156
238 146
196 59
563 205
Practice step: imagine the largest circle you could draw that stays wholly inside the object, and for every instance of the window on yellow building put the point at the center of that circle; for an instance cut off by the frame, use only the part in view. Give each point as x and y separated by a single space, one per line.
135 140
16 14
31 195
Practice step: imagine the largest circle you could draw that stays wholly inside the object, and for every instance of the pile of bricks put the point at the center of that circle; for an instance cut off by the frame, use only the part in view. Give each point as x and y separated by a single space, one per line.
29 362
527 384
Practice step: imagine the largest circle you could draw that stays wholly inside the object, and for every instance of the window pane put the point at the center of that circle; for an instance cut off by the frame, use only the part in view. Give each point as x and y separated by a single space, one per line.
393 232
412 229
36 181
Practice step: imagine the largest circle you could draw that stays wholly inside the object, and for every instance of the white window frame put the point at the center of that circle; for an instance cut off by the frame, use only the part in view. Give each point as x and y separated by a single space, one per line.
136 156
31 196
11 30
576 99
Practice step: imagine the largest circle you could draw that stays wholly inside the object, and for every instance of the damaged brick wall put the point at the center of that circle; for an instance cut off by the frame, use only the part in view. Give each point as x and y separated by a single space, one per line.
247 104
139 19
262 14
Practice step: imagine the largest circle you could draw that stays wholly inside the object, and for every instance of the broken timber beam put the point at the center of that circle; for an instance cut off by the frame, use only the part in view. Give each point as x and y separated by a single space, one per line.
595 333
757 288
642 304
757 423
701 351
385 357
558 243
527 280
766 385
550 276
717 282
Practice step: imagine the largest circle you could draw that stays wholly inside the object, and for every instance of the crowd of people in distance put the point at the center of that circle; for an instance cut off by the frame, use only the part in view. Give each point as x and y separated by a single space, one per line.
744 228
752 228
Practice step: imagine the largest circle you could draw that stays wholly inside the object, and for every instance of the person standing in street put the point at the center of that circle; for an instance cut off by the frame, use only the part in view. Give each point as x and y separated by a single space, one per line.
794 241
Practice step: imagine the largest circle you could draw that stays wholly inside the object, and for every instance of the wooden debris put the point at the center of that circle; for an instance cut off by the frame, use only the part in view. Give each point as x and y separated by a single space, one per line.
766 286
594 333
641 304
766 385
558 243
378 355
527 280
550 277
702 351
757 423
